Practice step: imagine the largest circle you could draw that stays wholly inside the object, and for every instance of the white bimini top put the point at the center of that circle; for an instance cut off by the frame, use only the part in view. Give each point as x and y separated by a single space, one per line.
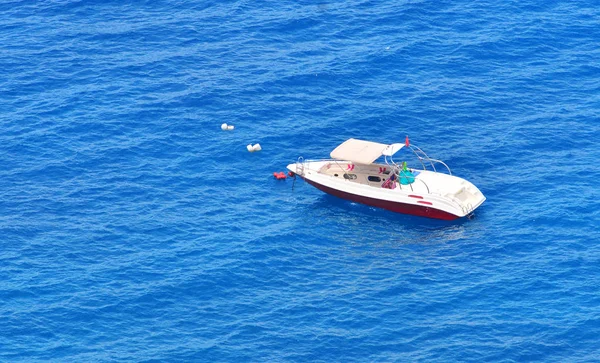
363 152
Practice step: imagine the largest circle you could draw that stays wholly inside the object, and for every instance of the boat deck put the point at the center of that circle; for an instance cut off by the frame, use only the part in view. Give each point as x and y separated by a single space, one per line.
376 174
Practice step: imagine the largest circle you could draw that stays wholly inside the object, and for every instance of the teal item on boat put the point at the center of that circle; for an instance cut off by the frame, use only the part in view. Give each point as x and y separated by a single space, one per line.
406 177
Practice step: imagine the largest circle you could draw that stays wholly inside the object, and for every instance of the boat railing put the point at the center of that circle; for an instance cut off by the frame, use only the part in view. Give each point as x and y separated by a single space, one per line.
426 186
411 184
424 158
316 160
300 166
301 163
469 209
335 161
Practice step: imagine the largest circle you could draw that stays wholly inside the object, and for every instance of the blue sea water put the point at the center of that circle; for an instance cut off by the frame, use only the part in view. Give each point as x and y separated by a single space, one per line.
133 229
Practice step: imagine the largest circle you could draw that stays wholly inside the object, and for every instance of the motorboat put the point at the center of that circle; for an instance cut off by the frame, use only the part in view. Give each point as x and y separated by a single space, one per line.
365 172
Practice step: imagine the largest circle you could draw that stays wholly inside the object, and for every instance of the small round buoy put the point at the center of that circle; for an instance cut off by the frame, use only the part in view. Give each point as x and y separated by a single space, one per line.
224 127
249 147
256 147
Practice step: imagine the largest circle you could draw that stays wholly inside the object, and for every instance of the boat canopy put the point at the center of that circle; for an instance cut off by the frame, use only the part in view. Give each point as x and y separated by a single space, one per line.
363 152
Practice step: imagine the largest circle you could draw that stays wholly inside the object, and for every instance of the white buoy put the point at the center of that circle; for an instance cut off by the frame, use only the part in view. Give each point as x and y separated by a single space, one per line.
256 147
250 148
224 127
229 127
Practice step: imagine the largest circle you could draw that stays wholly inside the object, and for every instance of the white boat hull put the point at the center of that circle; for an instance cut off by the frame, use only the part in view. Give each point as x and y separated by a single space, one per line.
432 194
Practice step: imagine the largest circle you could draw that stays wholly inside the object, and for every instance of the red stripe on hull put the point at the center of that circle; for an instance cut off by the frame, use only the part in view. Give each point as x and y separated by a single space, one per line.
414 210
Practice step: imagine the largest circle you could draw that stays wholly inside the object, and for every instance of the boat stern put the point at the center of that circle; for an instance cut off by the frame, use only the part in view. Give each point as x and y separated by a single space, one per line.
468 196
